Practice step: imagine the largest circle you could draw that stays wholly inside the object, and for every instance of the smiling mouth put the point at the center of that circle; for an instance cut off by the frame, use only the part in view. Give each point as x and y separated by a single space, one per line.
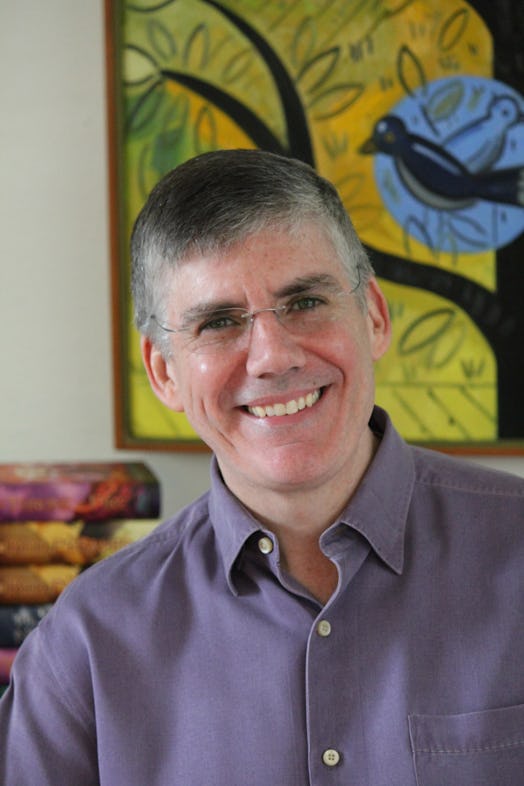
288 408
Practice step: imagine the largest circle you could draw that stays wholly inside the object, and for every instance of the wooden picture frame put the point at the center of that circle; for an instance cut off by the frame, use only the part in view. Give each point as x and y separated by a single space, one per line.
322 82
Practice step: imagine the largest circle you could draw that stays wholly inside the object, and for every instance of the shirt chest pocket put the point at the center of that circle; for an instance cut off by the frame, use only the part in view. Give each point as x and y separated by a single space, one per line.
474 749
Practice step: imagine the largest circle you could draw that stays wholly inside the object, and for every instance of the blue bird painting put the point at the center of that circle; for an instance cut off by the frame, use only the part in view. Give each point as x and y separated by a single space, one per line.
435 176
449 163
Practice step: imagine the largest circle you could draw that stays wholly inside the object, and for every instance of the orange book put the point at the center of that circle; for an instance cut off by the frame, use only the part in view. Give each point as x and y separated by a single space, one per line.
34 583
78 543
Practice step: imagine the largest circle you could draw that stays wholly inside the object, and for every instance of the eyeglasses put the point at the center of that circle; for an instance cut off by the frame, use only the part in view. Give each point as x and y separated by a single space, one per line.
225 330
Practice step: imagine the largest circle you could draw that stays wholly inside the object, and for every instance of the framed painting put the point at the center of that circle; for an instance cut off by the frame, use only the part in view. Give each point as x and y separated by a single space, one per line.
414 109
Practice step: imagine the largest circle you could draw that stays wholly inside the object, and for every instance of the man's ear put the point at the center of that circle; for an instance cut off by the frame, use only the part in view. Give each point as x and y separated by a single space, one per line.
161 375
378 319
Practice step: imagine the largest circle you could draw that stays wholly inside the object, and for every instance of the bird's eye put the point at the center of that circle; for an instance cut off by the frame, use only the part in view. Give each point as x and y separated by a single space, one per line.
389 136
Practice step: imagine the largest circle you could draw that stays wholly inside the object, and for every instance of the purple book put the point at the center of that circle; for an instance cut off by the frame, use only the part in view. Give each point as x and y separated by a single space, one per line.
77 490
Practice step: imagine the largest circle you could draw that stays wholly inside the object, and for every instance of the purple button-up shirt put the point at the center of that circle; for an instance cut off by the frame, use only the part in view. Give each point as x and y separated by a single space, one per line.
190 658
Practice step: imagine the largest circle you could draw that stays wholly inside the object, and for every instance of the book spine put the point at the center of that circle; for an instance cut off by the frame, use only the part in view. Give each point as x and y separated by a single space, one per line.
131 492
7 656
34 583
39 543
17 621
106 501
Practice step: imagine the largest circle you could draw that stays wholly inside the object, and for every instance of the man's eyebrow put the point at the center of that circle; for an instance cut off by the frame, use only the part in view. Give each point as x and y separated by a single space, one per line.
203 310
307 283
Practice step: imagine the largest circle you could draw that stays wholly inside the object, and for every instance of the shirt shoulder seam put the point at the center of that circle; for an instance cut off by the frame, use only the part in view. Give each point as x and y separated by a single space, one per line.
471 489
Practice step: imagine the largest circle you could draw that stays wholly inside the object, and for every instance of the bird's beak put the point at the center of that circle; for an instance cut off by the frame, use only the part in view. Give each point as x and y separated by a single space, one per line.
368 147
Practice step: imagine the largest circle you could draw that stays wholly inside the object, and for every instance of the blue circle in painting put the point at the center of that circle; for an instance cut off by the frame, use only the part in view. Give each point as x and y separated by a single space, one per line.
478 121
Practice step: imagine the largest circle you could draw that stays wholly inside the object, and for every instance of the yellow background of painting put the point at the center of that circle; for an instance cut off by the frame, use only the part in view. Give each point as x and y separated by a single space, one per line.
351 62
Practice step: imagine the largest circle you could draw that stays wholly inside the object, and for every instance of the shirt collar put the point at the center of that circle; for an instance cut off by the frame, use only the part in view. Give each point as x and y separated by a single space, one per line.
232 522
377 510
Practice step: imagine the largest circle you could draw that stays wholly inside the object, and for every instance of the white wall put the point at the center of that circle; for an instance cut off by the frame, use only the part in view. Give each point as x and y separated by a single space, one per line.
55 321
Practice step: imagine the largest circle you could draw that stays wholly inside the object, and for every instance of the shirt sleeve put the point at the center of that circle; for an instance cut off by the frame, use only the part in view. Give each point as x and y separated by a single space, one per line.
46 733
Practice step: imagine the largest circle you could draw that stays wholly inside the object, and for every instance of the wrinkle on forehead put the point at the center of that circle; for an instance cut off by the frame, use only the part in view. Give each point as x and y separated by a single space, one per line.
223 278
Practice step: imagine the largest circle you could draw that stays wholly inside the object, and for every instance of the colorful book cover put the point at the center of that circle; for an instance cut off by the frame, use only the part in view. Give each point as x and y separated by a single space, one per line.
34 583
82 490
18 620
76 543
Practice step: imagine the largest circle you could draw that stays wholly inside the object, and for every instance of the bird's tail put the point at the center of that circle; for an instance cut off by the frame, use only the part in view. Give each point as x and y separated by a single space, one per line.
501 185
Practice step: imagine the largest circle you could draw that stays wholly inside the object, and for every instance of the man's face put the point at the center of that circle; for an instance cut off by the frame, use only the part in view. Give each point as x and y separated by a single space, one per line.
328 371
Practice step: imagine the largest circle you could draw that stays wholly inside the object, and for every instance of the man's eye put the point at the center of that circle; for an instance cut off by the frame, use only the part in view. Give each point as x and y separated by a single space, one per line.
220 322
306 303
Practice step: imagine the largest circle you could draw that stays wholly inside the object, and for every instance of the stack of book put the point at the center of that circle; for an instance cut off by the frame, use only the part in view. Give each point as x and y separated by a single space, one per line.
55 521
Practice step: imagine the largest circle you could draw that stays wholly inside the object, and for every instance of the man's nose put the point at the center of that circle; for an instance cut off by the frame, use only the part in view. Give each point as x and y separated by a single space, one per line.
272 349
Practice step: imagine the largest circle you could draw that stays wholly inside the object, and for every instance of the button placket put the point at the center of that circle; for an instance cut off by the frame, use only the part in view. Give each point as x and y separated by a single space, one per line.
324 723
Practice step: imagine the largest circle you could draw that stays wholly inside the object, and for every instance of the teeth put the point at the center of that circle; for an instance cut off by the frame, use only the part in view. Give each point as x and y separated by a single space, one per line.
289 408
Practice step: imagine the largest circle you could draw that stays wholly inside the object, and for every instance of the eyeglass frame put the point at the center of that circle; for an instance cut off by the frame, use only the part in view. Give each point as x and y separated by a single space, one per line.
249 316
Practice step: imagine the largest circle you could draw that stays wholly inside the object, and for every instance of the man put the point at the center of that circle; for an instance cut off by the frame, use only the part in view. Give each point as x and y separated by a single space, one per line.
340 608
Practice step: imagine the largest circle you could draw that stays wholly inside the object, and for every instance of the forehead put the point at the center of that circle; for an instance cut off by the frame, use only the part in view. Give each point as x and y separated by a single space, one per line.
261 264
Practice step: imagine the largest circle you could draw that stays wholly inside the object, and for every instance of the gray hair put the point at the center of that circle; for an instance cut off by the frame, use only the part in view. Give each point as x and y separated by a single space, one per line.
217 199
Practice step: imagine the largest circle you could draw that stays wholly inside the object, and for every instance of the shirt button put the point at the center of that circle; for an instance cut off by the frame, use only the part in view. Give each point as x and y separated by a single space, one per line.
324 628
265 545
331 757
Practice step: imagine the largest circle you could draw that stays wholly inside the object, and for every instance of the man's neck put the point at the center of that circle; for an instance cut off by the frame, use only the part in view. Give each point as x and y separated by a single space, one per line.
306 563
298 524
298 517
